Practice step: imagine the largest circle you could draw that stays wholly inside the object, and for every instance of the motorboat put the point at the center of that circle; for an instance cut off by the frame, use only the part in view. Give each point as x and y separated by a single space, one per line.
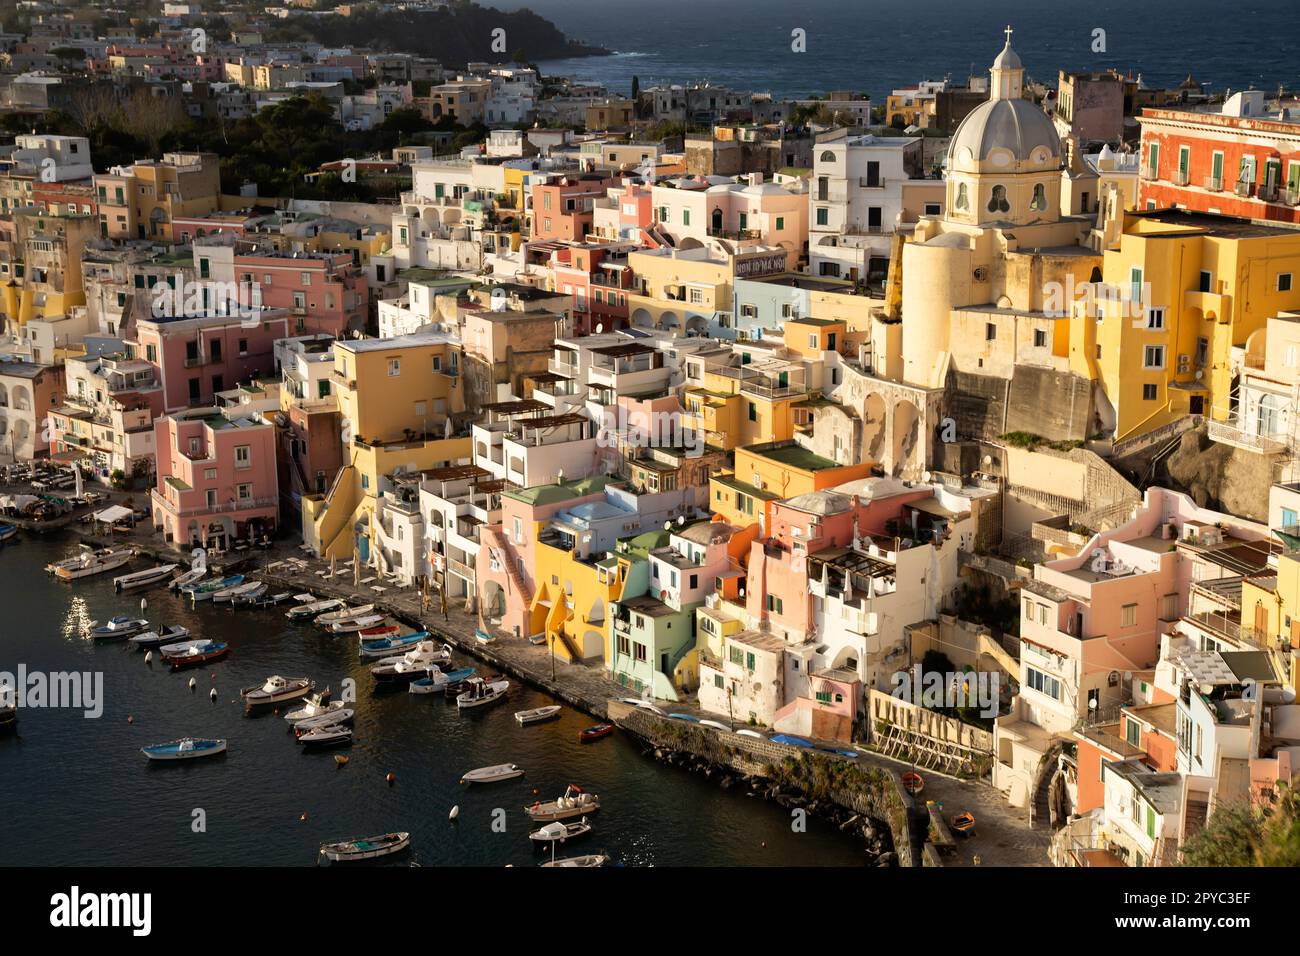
587 859
234 592
338 715
253 594
187 748
86 552
203 590
479 692
537 714
750 733
415 663
145 578
595 732
119 628
365 848
268 600
312 609
91 564
168 634
326 735
574 802
325 620
354 624
436 681
558 832
183 646
501 771
276 690
192 576
386 647
313 706
8 532
194 656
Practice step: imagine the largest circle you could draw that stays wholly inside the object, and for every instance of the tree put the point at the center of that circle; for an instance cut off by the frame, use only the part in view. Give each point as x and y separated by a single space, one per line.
1243 835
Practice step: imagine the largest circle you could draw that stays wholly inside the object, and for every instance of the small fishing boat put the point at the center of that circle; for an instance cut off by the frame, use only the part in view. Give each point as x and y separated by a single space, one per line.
311 609
276 690
484 637
646 705
501 771
119 628
91 564
436 681
338 714
187 748
537 714
249 594
235 591
203 590
8 532
192 576
560 832
913 783
326 735
313 706
85 553
269 600
379 632
480 692
415 663
365 848
537 640
8 714
792 741
715 725
194 656
963 823
587 859
145 578
169 634
595 732
750 733
325 620
573 803
353 624
390 647
689 718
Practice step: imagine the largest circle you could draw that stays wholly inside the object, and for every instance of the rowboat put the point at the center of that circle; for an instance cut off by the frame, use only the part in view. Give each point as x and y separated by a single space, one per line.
537 714
963 823
415 663
353 624
327 735
192 576
588 859
203 591
481 692
228 595
311 609
573 803
715 725
501 771
560 832
277 689
750 733
183 646
169 634
313 706
913 783
8 532
339 715
142 579
595 732
436 681
187 748
388 647
268 600
119 628
365 848
325 620
92 564
248 594
379 632
209 651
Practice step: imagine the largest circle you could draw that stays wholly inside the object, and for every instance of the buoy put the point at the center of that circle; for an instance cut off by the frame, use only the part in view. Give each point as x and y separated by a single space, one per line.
391 777
763 844
193 683
212 694
148 656
303 818
455 812
130 719
340 760
534 791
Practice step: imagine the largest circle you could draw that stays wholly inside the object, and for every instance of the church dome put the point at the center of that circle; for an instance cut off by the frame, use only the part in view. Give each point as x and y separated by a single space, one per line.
1015 126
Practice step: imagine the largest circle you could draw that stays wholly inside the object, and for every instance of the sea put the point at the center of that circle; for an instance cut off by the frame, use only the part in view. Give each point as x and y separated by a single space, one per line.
76 790
875 46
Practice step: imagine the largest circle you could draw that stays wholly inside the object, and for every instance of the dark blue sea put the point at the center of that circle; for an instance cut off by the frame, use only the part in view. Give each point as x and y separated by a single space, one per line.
877 45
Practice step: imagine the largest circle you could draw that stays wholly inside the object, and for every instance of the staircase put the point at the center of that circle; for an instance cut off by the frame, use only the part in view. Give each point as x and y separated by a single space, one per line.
575 654
498 541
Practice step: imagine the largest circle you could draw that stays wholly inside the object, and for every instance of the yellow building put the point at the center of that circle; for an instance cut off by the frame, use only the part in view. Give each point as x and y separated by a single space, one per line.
1270 609
749 401
683 288
770 471
572 598
1180 291
43 266
140 201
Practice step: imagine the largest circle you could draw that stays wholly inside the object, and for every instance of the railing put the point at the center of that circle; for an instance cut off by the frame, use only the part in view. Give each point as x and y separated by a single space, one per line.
1214 183
1180 177
461 568
1293 195
866 182
1268 192
1149 173
1231 434
1244 189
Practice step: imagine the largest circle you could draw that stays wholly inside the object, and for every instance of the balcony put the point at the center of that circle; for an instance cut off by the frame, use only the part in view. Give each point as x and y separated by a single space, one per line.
1231 433
1293 196
1268 192
1180 177
461 568
1149 174
245 504
1244 189
866 182
1214 184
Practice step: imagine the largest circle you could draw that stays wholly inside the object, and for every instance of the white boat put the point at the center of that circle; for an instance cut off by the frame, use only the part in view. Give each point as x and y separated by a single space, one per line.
277 689
715 725
366 848
311 609
436 681
573 803
192 576
142 579
558 832
231 594
750 733
537 714
92 564
313 706
350 625
501 771
588 859
646 705
184 647
340 715
170 634
325 620
480 692
413 664
326 735
250 594
187 748
77 559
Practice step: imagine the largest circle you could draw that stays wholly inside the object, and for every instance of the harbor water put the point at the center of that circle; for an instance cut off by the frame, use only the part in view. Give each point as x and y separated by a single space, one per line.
77 790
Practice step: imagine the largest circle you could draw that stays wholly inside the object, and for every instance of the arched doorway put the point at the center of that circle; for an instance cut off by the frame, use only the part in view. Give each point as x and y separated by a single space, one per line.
906 424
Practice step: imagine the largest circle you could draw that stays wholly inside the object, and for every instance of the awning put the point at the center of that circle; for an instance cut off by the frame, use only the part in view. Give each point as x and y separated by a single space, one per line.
113 514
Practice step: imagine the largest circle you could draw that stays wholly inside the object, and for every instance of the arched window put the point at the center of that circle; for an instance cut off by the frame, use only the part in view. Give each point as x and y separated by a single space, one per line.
828 157
998 201
963 200
1039 202
717 220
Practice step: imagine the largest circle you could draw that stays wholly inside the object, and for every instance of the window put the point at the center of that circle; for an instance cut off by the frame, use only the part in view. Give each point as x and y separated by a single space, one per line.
998 200
823 216
243 456
780 223
1284 282
963 200
932 209
990 331
1153 356
394 367
686 217
1128 615
1155 319
1133 732
753 412
1040 338
1149 392
1288 518
1135 284
1039 201
244 491
1043 683
1169 607
775 604
1207 279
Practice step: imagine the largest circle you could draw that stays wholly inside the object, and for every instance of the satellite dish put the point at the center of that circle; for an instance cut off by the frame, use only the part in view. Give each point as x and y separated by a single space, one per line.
988 459
925 476
668 526
599 328
681 520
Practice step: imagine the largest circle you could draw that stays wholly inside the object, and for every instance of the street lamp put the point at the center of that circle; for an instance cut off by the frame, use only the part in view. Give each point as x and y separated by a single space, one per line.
551 636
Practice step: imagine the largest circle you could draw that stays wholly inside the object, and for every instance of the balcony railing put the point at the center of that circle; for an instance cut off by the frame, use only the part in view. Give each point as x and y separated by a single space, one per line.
1293 195
1180 177
1268 192
1231 433
1149 173
1214 183
1244 189
461 568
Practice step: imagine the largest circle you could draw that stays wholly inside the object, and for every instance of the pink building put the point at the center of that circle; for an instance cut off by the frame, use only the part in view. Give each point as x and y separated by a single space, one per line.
599 279
197 357
216 479
322 291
